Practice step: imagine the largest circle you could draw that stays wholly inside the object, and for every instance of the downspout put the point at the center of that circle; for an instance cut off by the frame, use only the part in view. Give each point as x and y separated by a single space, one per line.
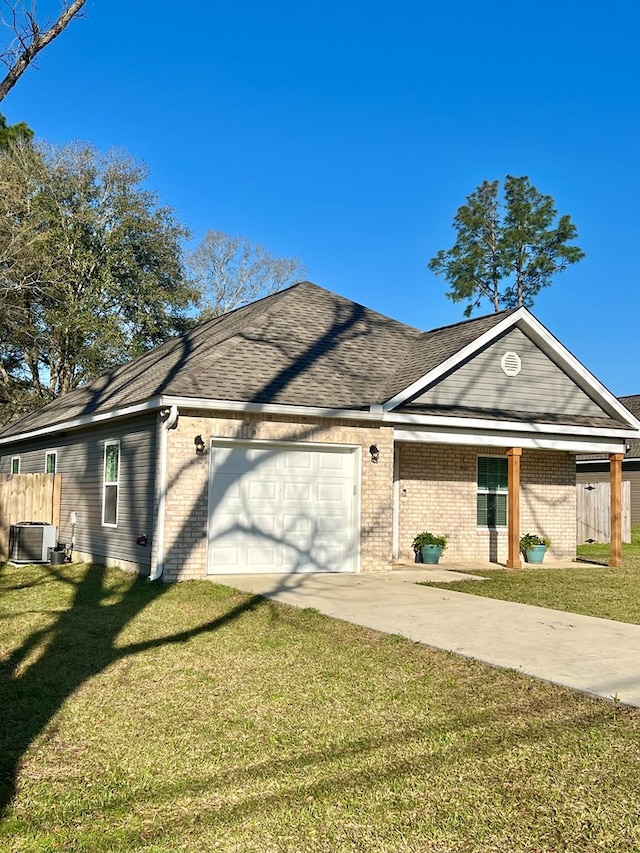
171 416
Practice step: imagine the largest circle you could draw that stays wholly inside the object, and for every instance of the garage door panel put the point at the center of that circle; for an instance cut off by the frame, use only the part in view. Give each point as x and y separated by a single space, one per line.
331 492
281 509
263 558
334 462
295 461
329 556
263 490
227 556
296 491
329 524
296 524
260 527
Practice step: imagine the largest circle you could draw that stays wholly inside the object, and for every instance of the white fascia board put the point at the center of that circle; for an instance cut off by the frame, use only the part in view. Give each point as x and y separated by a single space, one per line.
268 408
161 402
454 360
524 319
509 426
85 420
576 370
539 442
585 463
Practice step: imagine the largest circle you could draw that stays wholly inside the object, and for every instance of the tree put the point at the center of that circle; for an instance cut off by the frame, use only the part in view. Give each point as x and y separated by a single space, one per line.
28 37
12 132
91 269
230 271
506 249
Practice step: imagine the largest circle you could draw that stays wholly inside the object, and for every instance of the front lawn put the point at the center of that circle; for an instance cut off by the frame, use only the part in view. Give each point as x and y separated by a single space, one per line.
590 588
142 717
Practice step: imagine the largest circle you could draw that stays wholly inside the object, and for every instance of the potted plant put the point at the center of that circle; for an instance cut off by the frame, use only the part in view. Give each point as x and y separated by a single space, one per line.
534 547
429 546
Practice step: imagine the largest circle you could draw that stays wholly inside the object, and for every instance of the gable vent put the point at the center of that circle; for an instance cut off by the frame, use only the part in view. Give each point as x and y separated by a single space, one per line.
511 364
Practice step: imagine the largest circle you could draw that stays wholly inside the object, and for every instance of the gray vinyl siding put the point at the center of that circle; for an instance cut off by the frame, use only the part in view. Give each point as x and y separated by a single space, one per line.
541 386
80 460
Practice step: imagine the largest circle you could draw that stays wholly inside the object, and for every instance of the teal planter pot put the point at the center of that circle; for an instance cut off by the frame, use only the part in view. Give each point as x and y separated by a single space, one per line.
535 554
431 554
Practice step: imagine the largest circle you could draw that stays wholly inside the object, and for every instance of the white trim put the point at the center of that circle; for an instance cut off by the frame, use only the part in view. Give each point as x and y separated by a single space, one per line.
395 522
111 484
224 441
523 319
159 402
451 362
269 408
320 446
85 420
507 440
480 491
164 426
508 426
15 459
53 453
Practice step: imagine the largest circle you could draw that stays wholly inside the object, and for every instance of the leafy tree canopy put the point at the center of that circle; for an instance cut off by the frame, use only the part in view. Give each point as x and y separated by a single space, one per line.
508 247
12 132
91 269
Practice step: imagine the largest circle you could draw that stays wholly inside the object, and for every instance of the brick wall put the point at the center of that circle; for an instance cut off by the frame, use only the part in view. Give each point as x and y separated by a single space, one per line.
437 492
187 482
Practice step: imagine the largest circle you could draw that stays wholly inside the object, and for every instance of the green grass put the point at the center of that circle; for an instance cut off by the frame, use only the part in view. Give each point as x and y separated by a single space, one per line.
590 588
141 717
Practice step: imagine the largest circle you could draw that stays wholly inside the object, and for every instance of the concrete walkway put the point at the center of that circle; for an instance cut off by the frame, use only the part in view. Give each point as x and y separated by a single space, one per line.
595 656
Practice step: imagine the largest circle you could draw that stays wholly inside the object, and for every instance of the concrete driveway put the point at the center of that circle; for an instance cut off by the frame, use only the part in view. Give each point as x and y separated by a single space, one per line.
595 656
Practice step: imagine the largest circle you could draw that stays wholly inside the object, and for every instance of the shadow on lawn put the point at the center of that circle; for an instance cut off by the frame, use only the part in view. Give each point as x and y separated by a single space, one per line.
79 644
81 641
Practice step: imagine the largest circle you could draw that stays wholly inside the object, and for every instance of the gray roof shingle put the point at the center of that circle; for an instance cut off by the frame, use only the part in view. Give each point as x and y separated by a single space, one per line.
302 346
632 402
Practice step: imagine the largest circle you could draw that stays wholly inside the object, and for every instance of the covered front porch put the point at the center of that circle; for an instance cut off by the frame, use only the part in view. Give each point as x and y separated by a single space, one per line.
482 496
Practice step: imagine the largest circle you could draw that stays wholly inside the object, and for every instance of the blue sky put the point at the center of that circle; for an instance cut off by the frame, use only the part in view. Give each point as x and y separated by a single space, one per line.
347 135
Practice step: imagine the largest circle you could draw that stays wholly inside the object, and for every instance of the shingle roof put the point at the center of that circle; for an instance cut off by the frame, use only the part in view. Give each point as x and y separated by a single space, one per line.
632 402
434 347
302 346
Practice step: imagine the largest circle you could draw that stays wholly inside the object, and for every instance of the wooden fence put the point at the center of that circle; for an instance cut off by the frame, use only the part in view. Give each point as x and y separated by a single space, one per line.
27 497
594 512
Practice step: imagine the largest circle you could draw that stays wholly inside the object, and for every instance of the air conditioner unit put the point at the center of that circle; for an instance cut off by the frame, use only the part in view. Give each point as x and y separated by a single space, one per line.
30 541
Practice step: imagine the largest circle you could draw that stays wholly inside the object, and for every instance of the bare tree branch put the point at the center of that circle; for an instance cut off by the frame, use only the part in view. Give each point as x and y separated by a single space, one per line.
29 39
231 271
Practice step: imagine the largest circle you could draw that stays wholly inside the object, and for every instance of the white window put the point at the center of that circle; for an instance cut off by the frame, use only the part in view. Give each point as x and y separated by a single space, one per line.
50 462
15 464
492 491
110 483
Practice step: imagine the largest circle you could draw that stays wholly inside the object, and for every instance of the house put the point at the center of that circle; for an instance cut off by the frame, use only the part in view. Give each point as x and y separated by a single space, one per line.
305 432
595 469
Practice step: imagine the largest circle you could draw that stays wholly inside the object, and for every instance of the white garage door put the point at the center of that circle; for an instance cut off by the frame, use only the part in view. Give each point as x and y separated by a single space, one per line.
282 508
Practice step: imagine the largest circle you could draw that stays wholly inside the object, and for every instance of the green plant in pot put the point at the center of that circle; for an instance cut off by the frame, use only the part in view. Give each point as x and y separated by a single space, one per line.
534 547
429 546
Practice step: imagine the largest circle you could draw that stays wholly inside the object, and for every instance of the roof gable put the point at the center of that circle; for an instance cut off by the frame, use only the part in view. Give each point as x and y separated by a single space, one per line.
552 386
306 347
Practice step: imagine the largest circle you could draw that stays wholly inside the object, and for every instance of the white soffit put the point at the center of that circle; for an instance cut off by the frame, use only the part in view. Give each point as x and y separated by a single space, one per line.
531 442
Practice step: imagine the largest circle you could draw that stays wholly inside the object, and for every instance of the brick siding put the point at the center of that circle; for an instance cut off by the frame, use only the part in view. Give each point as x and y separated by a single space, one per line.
437 492
187 482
